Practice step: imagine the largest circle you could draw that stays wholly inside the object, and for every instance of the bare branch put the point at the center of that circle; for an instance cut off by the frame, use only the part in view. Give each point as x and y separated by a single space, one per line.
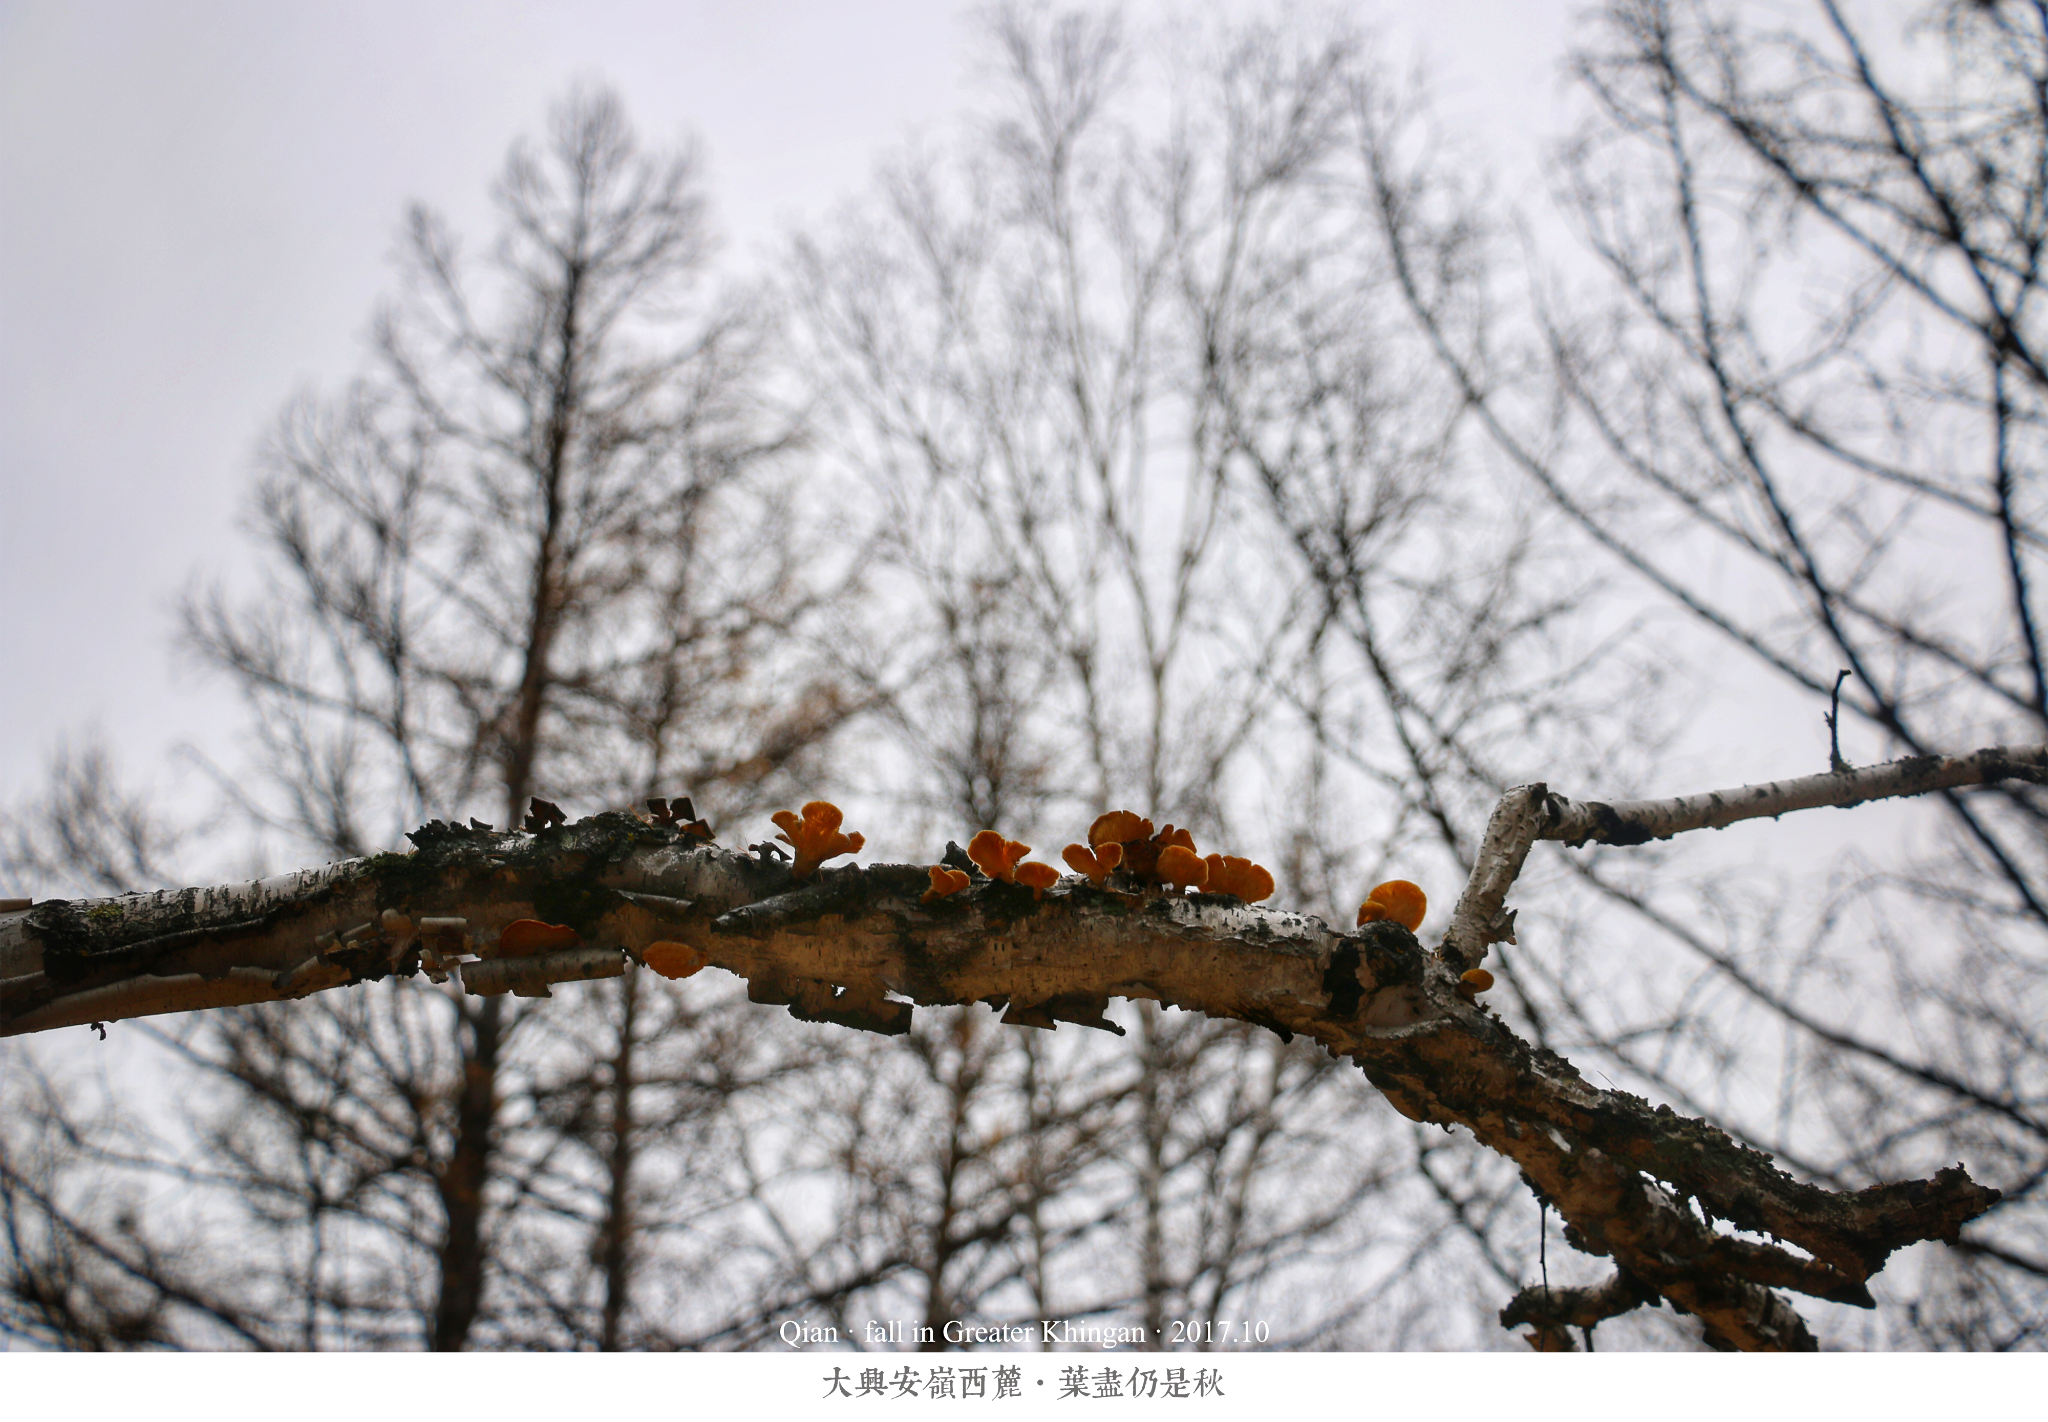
859 947
1624 822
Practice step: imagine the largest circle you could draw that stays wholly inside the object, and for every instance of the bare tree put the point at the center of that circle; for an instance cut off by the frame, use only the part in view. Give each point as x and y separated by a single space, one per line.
86 832
536 551
1009 363
1016 343
542 547
1804 410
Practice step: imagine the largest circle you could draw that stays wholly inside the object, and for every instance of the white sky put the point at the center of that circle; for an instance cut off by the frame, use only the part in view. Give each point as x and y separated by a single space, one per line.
197 202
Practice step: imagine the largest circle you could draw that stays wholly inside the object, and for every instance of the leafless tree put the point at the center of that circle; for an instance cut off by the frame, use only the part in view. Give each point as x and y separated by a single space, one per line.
1801 405
1006 358
542 548
86 832
1135 408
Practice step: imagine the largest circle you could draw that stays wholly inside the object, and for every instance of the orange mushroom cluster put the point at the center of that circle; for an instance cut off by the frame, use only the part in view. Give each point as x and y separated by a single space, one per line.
1037 878
999 859
995 856
1119 841
1122 839
815 837
1118 827
1142 855
1180 866
1398 900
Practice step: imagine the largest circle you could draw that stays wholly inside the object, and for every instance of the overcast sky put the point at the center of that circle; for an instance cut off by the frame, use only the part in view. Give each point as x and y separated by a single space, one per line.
198 203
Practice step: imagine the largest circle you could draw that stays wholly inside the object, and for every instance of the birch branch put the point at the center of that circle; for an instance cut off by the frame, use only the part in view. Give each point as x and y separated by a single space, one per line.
1482 917
1528 813
1625 822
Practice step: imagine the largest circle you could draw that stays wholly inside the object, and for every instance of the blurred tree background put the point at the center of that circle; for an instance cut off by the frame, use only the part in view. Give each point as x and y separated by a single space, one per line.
1184 432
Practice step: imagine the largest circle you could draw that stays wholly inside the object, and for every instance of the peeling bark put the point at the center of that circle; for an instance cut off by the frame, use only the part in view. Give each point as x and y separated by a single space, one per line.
857 946
1482 917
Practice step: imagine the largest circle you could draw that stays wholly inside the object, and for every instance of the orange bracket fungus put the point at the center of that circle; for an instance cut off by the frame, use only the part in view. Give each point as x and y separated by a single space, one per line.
1118 827
1096 863
1181 867
1397 899
1132 834
1474 981
815 837
524 937
995 856
675 960
1139 847
945 881
1142 858
1037 878
1229 874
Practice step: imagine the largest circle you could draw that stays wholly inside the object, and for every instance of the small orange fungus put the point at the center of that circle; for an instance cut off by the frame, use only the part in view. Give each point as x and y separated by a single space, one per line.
525 936
995 856
1096 863
1140 847
815 837
945 881
1118 827
1037 878
1182 867
675 960
1397 899
1474 980
1141 859
1229 874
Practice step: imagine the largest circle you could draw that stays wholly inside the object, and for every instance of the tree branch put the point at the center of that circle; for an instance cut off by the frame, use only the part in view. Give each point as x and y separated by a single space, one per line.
1625 822
858 946
1528 813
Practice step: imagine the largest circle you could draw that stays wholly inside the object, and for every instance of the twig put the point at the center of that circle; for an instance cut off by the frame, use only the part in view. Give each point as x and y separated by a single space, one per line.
1624 822
1833 717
